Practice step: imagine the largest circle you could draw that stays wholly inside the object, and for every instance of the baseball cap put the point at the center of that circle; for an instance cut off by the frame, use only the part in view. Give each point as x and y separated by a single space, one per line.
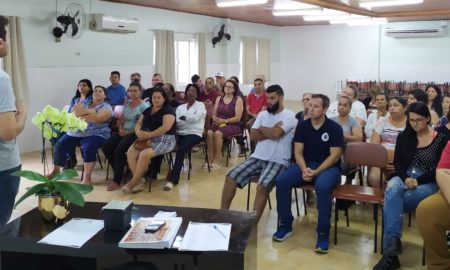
219 74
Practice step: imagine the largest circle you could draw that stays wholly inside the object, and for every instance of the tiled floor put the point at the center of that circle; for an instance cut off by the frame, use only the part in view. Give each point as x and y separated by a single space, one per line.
354 250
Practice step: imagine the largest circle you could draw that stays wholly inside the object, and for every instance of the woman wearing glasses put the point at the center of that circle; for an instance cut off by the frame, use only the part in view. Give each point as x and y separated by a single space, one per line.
417 154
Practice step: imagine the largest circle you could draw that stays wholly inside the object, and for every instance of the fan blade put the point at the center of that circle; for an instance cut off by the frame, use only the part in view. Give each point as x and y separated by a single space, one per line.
227 36
74 29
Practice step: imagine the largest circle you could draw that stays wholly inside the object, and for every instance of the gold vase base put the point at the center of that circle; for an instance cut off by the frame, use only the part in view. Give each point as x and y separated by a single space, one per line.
53 208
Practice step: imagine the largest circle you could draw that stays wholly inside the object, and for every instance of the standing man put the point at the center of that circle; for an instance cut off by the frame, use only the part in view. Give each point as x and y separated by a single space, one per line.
255 103
220 82
273 130
136 77
318 144
156 79
12 121
117 93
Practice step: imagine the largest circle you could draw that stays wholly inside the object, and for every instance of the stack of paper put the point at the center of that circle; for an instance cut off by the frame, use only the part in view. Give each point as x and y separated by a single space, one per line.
136 237
74 233
206 237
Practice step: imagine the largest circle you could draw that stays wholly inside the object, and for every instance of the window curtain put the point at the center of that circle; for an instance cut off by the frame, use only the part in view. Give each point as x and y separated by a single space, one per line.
249 59
264 57
14 63
165 55
201 46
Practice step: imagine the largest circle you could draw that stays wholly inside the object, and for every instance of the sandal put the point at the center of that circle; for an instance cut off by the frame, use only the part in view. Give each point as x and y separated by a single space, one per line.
168 186
125 190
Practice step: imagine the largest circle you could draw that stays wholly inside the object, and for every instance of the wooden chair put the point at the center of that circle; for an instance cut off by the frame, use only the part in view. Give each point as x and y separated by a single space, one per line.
357 153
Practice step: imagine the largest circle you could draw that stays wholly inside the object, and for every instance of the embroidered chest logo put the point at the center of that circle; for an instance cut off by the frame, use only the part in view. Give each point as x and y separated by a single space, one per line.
325 137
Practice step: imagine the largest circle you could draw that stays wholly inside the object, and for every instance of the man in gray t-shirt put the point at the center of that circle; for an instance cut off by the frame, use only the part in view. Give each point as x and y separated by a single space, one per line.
12 121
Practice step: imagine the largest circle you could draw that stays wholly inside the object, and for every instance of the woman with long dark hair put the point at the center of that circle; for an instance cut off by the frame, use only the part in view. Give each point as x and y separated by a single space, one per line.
416 157
435 99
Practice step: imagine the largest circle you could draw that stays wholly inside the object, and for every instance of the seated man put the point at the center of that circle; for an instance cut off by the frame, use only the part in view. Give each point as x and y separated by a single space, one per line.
273 130
318 144
433 217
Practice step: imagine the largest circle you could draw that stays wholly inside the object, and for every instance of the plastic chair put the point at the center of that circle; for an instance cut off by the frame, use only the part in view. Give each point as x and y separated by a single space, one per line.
357 153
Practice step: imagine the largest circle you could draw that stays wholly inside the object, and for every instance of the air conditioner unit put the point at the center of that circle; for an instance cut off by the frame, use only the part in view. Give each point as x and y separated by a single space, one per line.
439 31
103 22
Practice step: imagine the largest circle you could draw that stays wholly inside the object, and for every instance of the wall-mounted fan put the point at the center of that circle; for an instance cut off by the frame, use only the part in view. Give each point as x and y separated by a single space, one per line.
222 34
71 22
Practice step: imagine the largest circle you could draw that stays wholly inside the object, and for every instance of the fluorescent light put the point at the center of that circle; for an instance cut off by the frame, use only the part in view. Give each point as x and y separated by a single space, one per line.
235 3
291 5
388 3
304 12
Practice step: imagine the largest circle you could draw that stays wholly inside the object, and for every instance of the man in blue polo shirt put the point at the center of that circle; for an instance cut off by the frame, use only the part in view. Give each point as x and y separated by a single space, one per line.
116 92
318 144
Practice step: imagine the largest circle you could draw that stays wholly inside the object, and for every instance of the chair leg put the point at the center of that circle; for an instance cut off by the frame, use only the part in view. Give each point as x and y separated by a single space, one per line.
248 195
270 203
190 163
296 202
375 242
336 217
409 219
304 202
107 170
346 217
423 254
382 232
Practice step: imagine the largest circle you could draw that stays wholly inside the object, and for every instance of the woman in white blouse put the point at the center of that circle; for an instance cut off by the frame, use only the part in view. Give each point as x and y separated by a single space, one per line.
381 111
190 125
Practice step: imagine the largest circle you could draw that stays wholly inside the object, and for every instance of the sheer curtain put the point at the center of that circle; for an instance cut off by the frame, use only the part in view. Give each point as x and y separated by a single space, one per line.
201 45
264 58
249 59
14 62
165 55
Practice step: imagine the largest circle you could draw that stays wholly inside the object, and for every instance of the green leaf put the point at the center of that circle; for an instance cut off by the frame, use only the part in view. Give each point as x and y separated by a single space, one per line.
69 193
31 175
65 174
31 191
82 188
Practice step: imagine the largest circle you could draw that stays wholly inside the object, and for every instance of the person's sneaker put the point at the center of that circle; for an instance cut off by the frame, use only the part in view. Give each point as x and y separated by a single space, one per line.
394 246
168 186
387 263
282 234
322 243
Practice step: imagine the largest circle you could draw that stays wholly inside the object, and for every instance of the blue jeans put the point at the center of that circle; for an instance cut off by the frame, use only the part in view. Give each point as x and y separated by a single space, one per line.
67 144
9 186
324 184
397 200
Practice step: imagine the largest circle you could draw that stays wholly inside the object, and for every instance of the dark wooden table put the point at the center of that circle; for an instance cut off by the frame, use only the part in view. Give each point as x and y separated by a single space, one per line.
19 248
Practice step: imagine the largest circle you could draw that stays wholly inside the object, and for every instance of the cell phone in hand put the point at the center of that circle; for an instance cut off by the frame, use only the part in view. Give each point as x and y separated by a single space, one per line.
154 226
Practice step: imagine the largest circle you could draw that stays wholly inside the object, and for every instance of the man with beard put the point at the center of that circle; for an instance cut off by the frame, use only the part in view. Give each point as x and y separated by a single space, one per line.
273 130
318 144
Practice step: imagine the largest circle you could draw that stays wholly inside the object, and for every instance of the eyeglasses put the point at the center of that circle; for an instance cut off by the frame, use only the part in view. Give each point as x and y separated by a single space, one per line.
417 121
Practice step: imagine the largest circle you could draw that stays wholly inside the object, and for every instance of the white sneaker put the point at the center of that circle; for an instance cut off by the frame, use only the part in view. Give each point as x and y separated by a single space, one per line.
168 186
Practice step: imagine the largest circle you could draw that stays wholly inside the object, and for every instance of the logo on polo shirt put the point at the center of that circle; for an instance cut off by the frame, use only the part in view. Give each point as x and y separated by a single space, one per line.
325 137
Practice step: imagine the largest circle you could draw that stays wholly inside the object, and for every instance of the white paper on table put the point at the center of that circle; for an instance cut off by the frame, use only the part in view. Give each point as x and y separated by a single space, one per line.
206 237
74 233
163 214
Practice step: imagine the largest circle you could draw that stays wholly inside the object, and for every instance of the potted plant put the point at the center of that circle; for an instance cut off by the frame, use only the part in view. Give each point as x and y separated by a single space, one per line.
54 194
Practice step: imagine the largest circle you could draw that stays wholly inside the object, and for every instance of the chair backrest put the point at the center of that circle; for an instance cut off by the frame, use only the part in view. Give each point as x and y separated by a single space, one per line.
365 154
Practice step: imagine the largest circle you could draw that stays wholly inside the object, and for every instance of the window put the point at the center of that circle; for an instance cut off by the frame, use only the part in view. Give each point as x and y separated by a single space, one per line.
186 58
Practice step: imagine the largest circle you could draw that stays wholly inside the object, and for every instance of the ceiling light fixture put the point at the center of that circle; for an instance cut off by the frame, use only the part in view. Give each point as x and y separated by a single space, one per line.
291 5
236 3
388 3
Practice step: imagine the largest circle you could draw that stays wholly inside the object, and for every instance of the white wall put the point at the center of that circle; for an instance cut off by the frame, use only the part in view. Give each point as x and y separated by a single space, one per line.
314 58
55 68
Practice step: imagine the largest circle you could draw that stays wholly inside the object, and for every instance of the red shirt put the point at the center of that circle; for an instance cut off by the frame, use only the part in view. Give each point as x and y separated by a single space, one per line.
444 163
255 103
211 96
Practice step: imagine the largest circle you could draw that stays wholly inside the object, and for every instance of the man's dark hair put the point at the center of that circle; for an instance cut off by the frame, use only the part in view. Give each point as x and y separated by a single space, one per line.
325 99
195 78
115 72
419 95
275 88
3 23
